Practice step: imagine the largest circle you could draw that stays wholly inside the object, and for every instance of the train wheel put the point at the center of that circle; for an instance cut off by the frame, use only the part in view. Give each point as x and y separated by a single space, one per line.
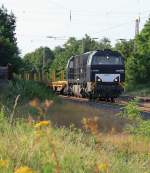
112 99
107 99
91 97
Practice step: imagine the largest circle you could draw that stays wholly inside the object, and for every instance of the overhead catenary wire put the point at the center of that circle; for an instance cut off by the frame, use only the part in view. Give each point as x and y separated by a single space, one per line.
64 37
79 14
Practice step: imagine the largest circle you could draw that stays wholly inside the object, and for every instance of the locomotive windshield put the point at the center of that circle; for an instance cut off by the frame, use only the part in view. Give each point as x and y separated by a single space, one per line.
107 60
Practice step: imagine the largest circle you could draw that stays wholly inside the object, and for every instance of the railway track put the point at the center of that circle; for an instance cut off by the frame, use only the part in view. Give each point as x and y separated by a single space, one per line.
117 106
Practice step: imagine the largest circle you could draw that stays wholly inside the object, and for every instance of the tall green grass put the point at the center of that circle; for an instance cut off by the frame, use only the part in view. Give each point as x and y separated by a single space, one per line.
27 90
76 152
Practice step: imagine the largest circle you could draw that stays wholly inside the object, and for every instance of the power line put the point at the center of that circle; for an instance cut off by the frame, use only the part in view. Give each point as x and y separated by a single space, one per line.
81 13
118 26
58 4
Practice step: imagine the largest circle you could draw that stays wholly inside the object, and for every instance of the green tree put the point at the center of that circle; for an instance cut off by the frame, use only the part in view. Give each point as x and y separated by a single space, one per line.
90 44
8 44
39 59
138 65
126 48
104 43
75 47
57 60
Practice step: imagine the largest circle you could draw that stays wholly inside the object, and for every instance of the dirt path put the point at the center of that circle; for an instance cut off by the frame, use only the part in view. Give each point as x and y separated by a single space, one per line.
68 113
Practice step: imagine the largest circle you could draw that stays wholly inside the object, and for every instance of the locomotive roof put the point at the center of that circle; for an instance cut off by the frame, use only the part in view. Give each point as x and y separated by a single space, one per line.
101 52
107 52
87 57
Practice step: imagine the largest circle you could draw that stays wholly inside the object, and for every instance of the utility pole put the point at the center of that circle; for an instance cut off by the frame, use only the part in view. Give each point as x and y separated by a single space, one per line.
137 29
44 64
70 16
137 26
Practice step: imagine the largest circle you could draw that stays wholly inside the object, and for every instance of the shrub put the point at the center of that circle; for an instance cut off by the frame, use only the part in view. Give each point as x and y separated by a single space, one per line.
142 129
131 111
28 90
137 125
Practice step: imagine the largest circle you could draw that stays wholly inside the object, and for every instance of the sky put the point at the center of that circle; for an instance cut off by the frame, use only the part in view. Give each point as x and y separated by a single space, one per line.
36 20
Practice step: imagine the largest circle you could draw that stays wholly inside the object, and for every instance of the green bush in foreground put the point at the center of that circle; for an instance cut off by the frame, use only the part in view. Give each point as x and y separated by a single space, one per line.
137 125
27 90
142 129
131 111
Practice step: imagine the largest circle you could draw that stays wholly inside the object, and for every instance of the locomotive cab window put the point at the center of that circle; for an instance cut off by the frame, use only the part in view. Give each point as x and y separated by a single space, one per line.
71 64
109 60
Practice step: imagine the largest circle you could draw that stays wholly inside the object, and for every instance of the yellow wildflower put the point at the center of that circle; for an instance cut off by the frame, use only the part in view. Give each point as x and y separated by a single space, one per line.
24 169
103 167
42 124
3 163
34 103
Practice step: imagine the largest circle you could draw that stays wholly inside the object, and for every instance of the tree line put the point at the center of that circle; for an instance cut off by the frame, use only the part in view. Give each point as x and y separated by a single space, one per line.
56 60
136 52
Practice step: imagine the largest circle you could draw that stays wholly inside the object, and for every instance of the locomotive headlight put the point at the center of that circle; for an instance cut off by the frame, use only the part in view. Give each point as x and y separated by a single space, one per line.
98 79
116 79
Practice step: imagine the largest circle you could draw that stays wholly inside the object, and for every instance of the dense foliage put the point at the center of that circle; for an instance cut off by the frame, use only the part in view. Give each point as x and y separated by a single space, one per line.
40 58
137 56
125 47
75 47
57 60
8 42
142 57
26 89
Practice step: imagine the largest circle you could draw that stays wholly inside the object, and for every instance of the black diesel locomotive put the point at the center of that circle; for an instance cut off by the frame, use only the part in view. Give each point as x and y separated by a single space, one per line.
96 74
